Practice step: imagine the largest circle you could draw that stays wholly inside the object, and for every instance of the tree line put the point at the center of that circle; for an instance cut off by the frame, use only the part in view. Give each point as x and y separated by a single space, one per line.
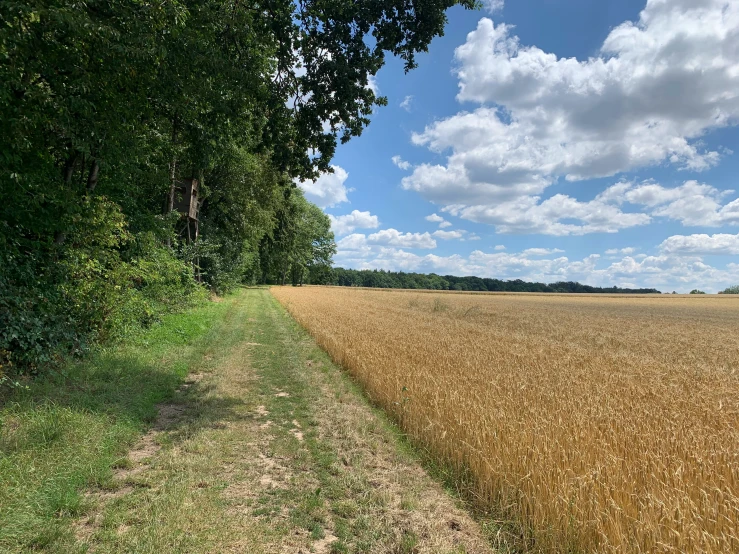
149 151
431 281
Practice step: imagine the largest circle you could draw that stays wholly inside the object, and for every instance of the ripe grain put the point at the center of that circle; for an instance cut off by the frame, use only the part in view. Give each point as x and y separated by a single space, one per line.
601 424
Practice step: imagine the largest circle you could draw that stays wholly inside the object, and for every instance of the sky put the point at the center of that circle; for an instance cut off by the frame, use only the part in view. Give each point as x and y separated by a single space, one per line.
551 140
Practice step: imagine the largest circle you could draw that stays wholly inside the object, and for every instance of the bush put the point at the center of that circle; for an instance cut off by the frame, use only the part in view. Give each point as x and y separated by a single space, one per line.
102 284
731 290
35 326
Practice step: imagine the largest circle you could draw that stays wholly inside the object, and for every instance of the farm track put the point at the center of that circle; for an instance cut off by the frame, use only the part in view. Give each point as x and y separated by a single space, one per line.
270 448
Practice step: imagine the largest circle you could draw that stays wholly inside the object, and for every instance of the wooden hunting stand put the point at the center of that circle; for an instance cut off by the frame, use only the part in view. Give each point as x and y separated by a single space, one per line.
186 202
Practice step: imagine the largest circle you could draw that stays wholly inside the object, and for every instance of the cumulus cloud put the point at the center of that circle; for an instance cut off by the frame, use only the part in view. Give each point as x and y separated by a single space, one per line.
435 218
401 163
387 237
559 215
620 206
448 235
692 203
541 251
406 103
328 190
719 243
393 237
626 251
343 224
499 247
655 88
664 271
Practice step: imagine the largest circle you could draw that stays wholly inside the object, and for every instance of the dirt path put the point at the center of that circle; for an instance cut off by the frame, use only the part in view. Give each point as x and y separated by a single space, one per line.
269 448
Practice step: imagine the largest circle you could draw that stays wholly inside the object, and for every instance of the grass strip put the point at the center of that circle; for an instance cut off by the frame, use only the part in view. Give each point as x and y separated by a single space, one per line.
65 433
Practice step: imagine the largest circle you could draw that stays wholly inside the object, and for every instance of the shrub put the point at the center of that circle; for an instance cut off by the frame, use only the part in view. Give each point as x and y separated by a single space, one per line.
102 284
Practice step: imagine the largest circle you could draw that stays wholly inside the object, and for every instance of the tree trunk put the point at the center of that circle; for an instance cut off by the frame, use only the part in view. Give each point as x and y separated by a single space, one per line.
284 275
83 166
173 168
172 183
68 171
172 174
67 174
92 177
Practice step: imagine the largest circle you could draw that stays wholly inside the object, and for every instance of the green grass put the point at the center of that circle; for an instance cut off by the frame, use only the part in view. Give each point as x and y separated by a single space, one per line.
67 432
267 403
347 499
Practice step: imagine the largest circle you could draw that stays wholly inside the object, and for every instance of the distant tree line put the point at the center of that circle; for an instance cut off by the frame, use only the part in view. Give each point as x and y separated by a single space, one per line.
431 281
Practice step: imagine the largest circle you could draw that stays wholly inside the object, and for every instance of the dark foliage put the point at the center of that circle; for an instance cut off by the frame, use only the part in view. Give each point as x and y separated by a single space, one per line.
108 106
431 281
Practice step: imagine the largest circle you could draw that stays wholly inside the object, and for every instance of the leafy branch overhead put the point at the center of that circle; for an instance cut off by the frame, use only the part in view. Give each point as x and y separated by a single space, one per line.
109 106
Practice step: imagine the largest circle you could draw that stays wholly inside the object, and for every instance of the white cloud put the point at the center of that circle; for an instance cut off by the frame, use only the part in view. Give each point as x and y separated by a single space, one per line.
393 237
406 103
656 87
541 251
372 84
448 235
328 190
435 218
499 247
625 251
343 224
473 236
692 203
559 215
492 6
401 163
701 244
665 272
356 242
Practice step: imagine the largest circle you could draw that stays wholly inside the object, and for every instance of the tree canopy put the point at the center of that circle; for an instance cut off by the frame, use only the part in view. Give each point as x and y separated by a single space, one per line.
111 108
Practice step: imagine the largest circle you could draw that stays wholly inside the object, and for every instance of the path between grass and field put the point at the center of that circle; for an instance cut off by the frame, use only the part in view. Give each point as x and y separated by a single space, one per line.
267 447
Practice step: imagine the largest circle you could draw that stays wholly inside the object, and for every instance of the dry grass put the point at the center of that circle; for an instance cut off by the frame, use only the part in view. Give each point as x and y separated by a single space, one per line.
600 424
270 449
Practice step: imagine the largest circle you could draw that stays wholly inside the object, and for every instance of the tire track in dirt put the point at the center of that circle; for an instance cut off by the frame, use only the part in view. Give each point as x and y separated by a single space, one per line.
269 448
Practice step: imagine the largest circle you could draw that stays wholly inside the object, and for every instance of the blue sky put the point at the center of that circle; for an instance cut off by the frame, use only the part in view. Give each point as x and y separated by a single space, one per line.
554 140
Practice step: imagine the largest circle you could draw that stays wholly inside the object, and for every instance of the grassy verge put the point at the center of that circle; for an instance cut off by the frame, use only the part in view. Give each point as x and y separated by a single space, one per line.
275 450
266 447
66 433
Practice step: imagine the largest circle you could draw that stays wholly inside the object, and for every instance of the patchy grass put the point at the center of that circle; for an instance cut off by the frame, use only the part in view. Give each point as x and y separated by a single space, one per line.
66 433
366 491
265 447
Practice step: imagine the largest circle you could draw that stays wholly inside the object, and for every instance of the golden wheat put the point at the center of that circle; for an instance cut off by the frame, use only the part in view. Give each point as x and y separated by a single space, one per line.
601 424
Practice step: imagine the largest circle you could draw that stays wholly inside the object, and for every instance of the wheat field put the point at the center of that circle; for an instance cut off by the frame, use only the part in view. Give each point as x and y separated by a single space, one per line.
598 424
